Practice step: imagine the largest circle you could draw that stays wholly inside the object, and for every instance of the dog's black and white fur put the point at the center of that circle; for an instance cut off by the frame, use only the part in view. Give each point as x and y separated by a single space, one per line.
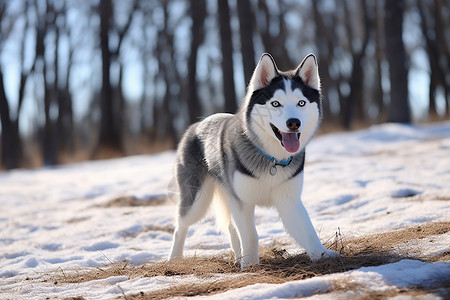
254 157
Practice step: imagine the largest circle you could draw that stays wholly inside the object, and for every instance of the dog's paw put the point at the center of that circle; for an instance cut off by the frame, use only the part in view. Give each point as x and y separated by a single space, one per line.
247 261
324 253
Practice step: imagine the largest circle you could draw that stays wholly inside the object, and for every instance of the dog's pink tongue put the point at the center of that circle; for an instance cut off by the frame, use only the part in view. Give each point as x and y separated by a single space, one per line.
290 141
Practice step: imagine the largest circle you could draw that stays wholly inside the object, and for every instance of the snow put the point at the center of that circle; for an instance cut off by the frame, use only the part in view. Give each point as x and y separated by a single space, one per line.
396 275
387 177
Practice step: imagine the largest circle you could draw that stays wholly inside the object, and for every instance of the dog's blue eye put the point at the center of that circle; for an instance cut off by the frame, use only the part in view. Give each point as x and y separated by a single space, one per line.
275 104
301 103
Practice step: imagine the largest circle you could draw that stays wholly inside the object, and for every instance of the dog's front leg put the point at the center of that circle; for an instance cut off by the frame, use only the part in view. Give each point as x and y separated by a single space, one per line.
297 223
243 216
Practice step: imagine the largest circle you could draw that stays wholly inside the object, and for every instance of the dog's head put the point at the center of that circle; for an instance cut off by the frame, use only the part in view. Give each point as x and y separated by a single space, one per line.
283 109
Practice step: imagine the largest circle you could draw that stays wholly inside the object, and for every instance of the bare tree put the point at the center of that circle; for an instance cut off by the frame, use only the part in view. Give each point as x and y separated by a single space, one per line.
198 13
11 152
165 112
65 124
246 24
227 57
111 101
10 131
109 136
46 15
395 53
354 104
325 41
379 57
436 48
273 32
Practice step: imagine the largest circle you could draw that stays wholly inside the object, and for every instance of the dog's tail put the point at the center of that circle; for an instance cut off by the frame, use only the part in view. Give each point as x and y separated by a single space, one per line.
221 208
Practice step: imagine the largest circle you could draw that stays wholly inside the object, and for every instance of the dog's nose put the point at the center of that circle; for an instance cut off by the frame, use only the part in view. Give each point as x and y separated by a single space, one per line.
293 124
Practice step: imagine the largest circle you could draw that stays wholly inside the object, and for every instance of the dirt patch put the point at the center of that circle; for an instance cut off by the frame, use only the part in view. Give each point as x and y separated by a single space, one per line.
428 197
360 292
132 201
77 220
131 234
387 239
276 265
442 198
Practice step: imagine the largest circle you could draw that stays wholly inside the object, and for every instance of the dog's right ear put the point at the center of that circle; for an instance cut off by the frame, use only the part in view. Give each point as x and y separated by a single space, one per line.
265 71
308 71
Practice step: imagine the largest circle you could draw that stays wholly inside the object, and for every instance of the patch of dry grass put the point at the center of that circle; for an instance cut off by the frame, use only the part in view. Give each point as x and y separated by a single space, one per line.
131 234
357 291
388 239
132 201
276 266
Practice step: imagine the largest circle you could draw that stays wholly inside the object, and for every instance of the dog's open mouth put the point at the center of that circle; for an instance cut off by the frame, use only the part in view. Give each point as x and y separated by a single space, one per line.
289 140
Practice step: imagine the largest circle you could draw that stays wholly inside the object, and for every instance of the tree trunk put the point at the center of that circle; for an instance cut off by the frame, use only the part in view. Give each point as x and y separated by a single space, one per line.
433 57
65 120
109 136
379 94
165 112
10 138
64 99
274 43
246 37
440 28
227 57
395 53
198 13
324 39
49 143
354 104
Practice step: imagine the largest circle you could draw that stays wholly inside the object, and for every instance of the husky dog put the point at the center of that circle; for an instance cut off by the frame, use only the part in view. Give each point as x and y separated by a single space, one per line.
254 157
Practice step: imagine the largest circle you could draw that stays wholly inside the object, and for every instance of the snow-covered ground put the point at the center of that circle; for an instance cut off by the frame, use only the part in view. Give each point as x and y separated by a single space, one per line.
80 216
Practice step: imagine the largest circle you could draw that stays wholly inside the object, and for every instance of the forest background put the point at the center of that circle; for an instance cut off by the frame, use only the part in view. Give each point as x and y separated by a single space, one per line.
97 79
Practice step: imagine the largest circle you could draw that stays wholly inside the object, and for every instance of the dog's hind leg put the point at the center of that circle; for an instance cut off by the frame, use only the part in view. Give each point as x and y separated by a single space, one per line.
221 205
190 211
234 241
179 236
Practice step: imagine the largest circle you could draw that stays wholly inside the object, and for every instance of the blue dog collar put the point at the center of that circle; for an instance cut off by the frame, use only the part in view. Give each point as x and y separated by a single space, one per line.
283 162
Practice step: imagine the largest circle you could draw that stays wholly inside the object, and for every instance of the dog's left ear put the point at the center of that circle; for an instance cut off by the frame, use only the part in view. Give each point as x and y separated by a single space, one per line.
308 71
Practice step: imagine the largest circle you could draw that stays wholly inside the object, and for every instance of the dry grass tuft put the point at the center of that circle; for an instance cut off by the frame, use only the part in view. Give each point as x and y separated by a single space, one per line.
276 266
132 201
357 291
131 234
77 220
360 292
388 239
